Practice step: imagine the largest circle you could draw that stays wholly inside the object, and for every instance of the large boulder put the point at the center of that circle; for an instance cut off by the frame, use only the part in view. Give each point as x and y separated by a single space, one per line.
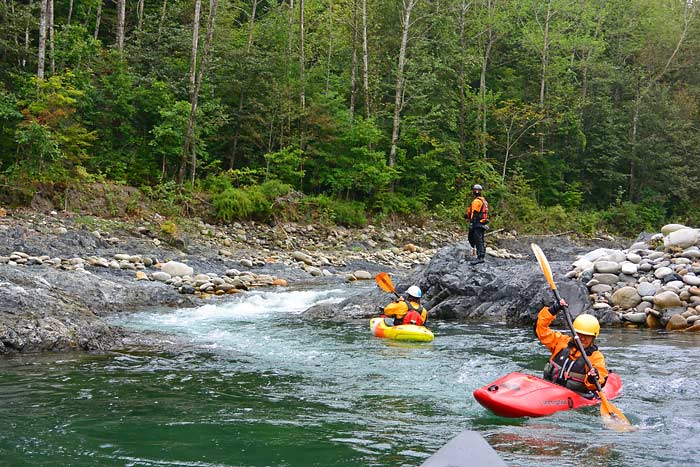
626 297
682 238
513 290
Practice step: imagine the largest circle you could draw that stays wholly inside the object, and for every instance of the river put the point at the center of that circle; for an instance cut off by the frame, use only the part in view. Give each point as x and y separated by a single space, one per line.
255 385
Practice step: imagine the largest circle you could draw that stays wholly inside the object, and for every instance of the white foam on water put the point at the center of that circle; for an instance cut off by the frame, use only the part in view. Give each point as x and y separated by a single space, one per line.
257 323
253 306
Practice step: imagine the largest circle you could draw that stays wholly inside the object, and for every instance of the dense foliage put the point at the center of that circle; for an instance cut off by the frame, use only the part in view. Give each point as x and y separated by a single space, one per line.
573 115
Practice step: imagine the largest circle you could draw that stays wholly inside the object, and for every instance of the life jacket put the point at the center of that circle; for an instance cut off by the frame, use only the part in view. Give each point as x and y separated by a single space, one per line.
569 372
482 215
417 315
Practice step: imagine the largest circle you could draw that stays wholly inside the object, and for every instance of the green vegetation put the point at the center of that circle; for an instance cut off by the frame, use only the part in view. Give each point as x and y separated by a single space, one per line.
575 116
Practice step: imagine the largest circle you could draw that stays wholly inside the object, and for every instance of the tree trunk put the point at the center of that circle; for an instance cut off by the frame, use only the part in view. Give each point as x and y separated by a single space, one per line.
633 137
330 44
462 82
139 15
70 12
162 17
193 101
213 5
365 59
482 88
98 17
241 96
589 54
10 19
353 70
545 61
26 38
42 39
121 17
302 77
491 38
190 146
52 50
251 27
287 122
398 96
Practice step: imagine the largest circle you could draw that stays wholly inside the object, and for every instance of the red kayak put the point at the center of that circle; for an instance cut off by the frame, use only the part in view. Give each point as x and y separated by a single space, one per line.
521 395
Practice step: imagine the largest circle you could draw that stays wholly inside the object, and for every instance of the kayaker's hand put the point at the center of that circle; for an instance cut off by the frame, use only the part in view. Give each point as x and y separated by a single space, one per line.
593 374
556 307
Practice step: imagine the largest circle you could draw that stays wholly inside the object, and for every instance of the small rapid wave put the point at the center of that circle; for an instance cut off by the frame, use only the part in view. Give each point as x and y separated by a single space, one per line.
253 306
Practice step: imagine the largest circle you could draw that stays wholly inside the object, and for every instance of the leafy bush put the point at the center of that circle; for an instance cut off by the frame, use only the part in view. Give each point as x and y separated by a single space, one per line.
323 209
399 203
232 204
629 218
233 178
273 189
317 209
169 228
559 219
252 202
349 213
218 183
52 137
166 197
521 213
286 165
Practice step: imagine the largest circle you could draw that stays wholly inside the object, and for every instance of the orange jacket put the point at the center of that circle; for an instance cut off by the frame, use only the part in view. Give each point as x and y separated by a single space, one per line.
478 210
400 308
556 342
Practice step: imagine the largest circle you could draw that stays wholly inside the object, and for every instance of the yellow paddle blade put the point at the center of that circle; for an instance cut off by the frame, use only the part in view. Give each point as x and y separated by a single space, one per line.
544 265
613 417
384 282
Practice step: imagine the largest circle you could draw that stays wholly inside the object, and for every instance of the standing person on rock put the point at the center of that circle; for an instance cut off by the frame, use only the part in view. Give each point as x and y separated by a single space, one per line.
565 366
478 217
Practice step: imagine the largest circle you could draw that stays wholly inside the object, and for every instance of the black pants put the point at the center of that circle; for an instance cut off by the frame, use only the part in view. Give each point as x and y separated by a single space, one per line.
476 240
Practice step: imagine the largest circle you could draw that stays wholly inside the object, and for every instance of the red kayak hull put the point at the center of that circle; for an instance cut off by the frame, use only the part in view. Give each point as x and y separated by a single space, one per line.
520 395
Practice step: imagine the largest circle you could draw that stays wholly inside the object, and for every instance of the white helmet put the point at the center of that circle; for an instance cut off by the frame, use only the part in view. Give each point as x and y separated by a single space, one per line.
414 291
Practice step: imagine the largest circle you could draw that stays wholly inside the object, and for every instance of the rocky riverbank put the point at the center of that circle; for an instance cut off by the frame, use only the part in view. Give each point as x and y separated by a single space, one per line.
61 274
654 283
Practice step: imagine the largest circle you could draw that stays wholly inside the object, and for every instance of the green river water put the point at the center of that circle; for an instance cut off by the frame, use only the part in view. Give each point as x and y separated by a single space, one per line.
255 385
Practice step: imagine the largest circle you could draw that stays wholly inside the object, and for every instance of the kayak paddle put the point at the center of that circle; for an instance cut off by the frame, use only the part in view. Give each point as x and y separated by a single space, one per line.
612 416
384 283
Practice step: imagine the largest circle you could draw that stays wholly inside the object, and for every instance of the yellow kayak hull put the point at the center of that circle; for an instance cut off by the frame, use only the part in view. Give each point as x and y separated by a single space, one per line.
402 332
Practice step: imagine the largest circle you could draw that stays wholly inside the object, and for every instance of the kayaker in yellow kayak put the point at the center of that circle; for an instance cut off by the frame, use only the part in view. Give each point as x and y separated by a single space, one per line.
565 366
408 310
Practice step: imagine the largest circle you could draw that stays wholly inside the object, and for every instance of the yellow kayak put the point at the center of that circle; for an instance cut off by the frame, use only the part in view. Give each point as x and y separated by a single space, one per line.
402 332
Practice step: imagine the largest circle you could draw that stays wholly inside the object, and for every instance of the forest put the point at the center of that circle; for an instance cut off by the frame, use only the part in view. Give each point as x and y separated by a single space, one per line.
575 115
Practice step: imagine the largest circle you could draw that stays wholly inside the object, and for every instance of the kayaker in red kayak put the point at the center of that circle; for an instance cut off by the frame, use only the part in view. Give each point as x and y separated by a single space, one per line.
408 310
566 367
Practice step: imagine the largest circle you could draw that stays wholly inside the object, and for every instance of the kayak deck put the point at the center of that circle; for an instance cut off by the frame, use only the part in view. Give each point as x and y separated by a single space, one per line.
402 332
521 395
